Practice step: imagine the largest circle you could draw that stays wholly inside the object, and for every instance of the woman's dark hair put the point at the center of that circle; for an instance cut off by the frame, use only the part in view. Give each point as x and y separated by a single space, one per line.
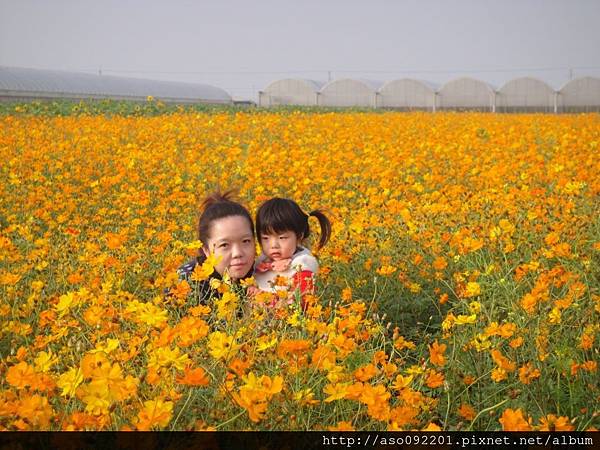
279 215
217 206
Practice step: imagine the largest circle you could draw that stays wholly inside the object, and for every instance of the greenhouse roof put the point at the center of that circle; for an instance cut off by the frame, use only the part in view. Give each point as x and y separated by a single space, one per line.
16 80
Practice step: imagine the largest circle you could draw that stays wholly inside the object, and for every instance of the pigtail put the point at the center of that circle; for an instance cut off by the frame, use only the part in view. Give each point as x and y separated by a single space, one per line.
325 224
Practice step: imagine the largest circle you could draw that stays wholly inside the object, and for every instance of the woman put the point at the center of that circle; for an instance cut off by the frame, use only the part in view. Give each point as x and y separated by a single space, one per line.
226 231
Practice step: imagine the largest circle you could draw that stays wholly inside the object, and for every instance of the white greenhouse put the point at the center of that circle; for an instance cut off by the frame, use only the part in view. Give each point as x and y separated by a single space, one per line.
290 92
466 94
24 84
580 95
348 92
525 94
407 94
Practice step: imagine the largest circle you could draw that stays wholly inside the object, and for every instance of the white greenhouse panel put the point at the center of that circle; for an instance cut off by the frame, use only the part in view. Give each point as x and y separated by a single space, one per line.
407 94
525 94
466 93
291 92
347 92
580 95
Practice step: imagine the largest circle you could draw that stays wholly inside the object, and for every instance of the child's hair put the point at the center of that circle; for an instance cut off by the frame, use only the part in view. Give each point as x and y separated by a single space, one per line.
278 215
218 206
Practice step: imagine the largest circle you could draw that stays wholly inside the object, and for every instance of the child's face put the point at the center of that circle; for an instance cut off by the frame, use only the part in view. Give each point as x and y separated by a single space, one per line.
278 246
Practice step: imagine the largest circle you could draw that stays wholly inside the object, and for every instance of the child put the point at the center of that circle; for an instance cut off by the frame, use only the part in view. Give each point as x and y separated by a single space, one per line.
281 228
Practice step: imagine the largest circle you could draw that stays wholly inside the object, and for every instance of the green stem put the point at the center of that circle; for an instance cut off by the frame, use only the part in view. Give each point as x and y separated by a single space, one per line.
486 410
187 400
231 420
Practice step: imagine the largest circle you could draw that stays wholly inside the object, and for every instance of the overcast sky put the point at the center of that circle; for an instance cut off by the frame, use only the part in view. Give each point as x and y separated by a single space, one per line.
243 45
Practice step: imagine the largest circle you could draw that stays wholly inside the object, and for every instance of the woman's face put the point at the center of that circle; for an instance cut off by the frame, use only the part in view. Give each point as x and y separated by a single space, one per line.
231 239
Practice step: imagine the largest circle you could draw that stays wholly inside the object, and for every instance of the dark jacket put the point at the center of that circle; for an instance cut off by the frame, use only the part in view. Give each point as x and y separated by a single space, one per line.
201 290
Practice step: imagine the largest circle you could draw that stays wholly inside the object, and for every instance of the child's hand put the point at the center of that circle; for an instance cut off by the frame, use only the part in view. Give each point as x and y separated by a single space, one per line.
264 266
281 265
252 291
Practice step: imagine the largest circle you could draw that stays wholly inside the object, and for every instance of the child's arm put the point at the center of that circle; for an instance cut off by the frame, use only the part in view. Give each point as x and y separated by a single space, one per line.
303 280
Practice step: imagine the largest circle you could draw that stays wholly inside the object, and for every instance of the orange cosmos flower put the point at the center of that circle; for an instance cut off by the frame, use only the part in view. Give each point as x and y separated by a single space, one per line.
466 411
502 361
20 375
36 410
194 377
365 373
436 353
587 341
499 374
240 367
372 395
513 420
401 343
342 426
434 379
553 423
528 373
404 415
181 290
322 357
440 263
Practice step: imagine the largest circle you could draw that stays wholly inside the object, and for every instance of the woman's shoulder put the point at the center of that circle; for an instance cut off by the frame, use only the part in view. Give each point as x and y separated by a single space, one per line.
185 270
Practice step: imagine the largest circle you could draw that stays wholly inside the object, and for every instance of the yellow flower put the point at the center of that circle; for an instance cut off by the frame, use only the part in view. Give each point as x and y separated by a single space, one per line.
246 282
305 397
147 313
255 394
432 427
402 382
69 381
156 413
111 344
166 357
463 320
96 396
65 302
473 289
294 319
554 316
335 391
474 307
44 361
226 305
265 342
194 245
415 370
221 346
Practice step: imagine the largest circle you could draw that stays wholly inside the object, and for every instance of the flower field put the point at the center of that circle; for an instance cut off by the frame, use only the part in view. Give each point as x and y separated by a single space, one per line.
460 290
